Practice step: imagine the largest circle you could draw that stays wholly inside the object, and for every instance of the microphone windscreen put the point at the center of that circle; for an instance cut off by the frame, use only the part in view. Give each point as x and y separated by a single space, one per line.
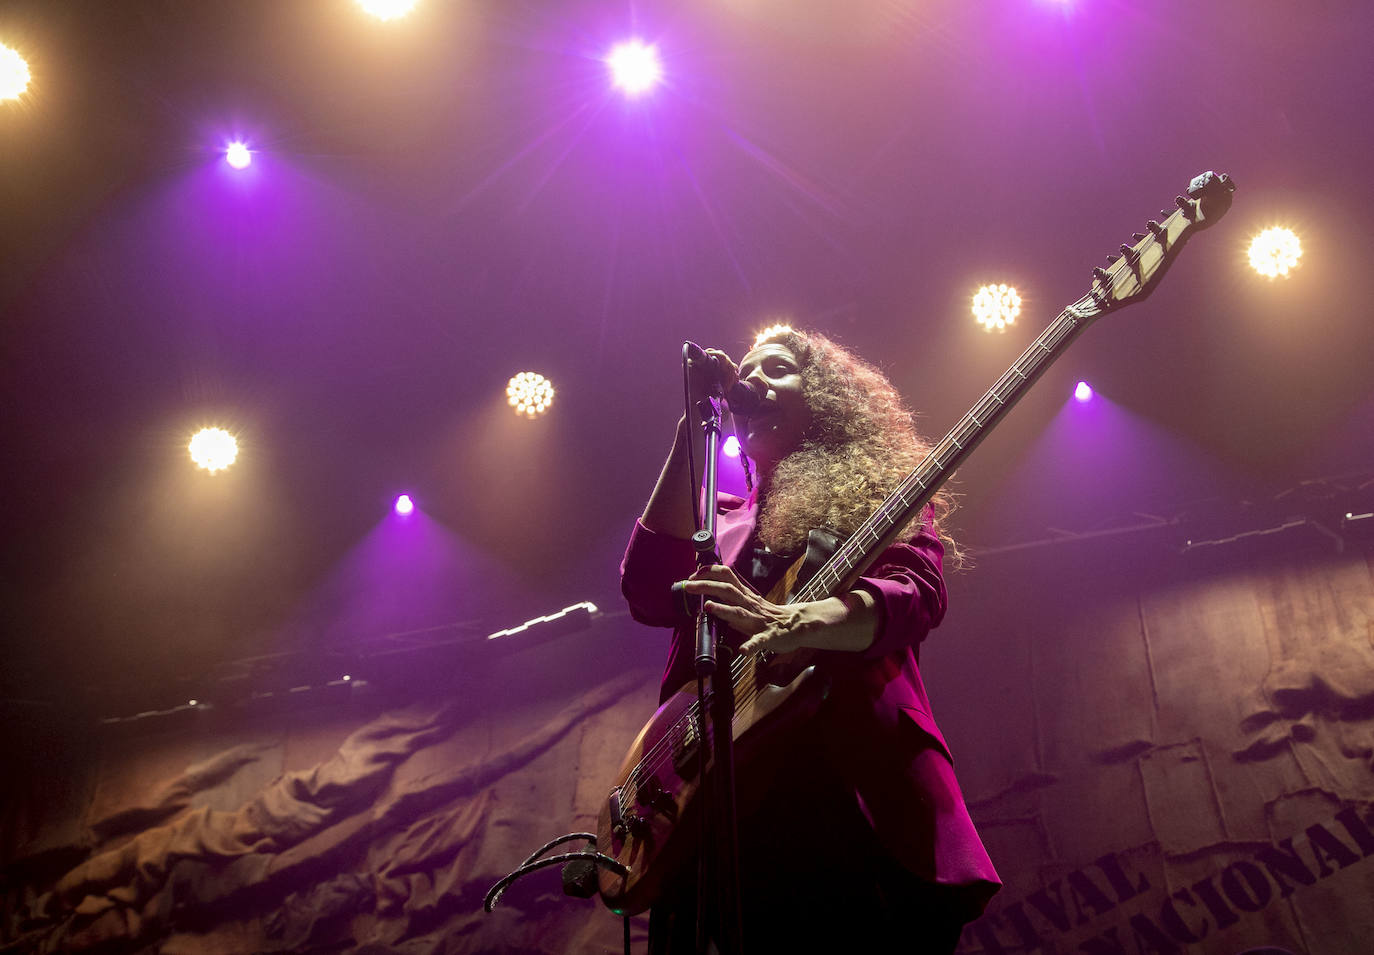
744 397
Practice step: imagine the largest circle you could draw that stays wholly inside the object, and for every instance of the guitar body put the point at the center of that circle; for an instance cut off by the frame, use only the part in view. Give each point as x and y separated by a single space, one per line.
650 821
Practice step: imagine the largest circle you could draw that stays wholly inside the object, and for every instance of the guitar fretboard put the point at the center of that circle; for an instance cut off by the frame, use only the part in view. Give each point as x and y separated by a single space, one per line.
883 526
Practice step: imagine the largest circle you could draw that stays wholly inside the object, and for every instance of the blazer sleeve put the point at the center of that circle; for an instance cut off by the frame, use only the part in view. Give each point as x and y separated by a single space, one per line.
907 581
653 562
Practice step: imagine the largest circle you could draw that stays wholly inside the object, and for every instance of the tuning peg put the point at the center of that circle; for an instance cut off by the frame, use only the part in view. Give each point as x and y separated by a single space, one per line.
1137 236
1112 259
1102 276
1155 228
1185 206
1129 252
1164 213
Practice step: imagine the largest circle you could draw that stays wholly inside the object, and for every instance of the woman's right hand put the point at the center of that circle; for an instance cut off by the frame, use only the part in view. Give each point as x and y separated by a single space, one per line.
726 371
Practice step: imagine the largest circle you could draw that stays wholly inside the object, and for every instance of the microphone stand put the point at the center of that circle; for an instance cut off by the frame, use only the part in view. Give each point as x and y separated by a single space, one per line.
720 837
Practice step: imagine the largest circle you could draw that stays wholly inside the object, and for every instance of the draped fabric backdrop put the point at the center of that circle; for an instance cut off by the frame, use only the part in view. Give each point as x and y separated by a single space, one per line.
1165 753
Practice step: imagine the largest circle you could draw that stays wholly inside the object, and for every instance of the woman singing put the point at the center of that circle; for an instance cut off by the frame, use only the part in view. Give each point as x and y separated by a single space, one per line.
860 840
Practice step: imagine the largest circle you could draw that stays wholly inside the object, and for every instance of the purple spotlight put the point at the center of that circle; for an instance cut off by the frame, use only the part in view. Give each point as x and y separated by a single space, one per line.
635 67
238 155
404 505
731 447
1083 392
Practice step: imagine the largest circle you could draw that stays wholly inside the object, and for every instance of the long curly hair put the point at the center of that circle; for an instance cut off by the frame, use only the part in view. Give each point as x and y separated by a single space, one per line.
861 443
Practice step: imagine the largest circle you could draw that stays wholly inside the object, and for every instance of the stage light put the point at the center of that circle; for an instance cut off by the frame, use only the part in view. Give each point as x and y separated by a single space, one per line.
769 332
1083 392
1274 252
213 449
634 67
387 9
529 394
731 447
238 155
996 306
14 73
404 505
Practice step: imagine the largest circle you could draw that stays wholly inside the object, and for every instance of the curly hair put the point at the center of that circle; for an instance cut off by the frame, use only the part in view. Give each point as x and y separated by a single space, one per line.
861 443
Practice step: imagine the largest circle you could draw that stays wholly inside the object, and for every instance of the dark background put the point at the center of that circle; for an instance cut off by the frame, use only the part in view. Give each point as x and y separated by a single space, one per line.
442 201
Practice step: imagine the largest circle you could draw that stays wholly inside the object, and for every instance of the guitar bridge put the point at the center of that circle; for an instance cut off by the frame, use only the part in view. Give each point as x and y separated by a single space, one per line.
623 823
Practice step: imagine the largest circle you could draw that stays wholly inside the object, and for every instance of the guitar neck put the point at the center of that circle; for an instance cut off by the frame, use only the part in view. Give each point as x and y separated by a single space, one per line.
885 524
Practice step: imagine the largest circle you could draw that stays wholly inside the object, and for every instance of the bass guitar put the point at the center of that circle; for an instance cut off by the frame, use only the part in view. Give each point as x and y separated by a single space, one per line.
649 821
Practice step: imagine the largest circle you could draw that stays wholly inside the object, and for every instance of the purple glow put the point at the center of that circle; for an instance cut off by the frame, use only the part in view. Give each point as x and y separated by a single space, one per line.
731 447
635 67
238 155
404 505
1083 392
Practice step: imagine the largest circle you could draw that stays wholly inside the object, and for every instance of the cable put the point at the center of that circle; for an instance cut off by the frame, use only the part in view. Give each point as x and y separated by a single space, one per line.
534 864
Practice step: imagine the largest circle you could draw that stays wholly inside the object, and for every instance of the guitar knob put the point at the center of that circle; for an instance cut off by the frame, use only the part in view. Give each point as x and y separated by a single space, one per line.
1155 228
1127 251
1185 206
1111 259
1137 236
1102 276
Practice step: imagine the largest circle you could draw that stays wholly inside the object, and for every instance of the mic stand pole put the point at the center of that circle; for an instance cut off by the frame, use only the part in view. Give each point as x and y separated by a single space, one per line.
713 658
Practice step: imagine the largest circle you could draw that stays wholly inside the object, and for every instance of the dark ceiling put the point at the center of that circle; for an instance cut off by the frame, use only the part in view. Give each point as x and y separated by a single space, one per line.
441 201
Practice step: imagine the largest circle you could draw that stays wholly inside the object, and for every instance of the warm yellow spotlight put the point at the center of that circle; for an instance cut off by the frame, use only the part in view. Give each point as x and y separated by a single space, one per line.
14 73
1274 252
996 306
214 449
769 332
387 9
529 394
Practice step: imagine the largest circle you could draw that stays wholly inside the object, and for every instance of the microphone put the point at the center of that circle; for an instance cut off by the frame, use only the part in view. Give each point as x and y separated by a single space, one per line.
743 397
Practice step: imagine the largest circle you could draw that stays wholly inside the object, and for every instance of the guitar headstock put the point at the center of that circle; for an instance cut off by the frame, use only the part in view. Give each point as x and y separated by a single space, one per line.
1136 269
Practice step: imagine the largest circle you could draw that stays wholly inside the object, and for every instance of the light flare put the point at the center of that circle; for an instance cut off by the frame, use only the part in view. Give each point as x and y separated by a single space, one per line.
634 66
238 155
14 73
213 449
1274 252
996 306
387 9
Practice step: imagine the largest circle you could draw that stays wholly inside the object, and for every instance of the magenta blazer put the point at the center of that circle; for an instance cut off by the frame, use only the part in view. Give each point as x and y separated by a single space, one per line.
877 720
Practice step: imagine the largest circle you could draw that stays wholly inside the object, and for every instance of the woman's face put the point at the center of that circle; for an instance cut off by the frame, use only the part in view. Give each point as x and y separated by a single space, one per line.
777 426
